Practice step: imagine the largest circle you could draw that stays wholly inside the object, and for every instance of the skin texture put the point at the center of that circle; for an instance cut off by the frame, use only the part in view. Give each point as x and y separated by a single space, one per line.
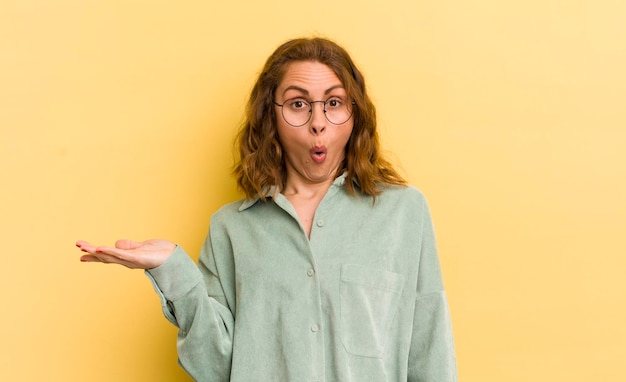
131 254
309 174
312 81
314 155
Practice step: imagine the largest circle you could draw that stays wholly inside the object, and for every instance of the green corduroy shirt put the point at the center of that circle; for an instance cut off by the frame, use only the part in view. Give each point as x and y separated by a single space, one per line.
361 300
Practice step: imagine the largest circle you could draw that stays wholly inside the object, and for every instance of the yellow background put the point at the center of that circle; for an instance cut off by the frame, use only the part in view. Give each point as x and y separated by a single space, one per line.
117 119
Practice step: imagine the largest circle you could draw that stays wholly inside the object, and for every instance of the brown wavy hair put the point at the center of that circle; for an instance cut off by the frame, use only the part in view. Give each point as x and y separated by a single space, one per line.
261 163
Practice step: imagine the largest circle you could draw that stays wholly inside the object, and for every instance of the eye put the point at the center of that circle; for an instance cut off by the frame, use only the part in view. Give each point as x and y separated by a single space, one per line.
297 104
334 102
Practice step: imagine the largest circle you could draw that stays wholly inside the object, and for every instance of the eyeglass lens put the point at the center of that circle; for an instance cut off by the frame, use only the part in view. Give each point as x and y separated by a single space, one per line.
298 111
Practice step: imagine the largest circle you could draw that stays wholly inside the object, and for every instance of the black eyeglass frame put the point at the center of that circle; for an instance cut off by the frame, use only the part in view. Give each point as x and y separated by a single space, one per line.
282 111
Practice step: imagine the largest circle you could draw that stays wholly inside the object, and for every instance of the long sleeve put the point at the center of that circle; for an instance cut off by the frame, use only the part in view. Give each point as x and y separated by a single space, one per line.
432 355
205 325
360 299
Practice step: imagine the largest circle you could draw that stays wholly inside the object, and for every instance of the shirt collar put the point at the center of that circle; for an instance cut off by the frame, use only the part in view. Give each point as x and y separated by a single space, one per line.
247 203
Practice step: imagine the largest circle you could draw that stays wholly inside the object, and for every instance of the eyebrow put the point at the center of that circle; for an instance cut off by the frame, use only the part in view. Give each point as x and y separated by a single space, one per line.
302 90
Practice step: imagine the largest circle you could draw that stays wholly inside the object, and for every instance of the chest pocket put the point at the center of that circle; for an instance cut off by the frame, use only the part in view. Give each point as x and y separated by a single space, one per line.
369 302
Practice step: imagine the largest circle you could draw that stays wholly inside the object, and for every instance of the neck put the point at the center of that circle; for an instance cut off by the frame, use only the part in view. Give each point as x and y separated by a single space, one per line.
307 190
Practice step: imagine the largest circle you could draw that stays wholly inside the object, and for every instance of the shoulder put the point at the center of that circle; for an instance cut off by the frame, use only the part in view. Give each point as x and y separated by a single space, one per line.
403 202
402 194
227 212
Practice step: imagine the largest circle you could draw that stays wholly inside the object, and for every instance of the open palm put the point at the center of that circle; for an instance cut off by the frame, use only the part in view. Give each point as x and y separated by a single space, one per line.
132 254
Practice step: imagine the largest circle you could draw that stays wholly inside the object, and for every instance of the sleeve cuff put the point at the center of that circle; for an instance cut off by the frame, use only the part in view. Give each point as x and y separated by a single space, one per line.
176 276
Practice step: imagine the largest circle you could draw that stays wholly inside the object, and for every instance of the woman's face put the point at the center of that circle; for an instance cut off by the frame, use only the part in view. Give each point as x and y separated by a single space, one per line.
314 151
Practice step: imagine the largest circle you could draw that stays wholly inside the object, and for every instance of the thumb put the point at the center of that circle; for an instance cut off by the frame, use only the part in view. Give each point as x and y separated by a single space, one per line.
127 244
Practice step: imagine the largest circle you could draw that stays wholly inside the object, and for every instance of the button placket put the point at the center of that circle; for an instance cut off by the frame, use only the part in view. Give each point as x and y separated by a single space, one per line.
316 334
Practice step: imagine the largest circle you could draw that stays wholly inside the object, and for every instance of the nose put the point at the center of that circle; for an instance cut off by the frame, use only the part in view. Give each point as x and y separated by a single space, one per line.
318 119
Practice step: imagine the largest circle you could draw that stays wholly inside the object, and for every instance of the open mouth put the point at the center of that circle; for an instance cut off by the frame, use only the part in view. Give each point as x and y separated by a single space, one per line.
318 154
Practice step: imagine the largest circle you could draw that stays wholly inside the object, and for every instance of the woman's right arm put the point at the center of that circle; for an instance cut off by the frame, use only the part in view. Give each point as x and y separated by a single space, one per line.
205 334
192 300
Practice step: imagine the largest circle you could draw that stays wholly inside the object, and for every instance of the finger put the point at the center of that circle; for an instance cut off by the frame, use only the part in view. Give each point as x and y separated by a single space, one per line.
114 255
89 259
85 246
127 244
110 251
81 243
106 259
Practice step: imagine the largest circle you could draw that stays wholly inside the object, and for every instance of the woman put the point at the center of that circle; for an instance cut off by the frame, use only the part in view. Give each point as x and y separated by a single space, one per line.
328 270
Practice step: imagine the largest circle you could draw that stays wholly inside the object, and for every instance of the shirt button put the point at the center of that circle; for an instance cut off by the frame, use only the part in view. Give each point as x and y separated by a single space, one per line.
320 223
315 328
310 272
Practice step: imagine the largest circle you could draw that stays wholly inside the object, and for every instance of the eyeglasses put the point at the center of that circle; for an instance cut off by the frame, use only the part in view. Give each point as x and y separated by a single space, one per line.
298 111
